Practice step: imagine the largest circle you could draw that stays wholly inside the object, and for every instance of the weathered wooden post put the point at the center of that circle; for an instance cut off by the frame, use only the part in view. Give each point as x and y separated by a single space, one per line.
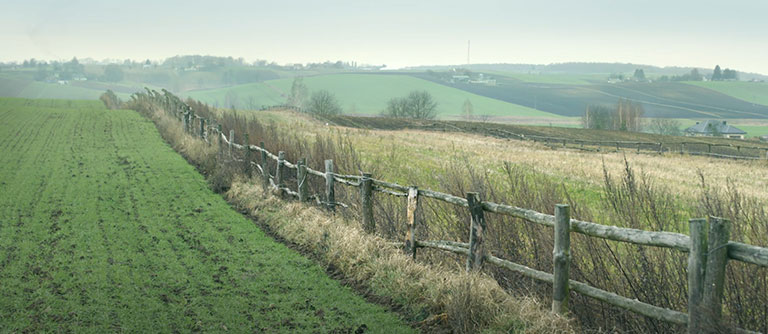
709 148
477 228
366 201
617 146
561 258
697 261
661 148
301 179
247 161
218 139
682 147
231 141
330 196
280 172
185 122
412 218
264 167
714 280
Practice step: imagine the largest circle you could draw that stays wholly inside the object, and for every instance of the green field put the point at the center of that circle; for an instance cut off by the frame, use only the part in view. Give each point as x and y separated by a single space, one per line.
104 228
367 94
549 78
755 92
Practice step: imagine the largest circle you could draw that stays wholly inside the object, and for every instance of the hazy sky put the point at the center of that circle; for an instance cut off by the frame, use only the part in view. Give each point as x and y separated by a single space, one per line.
396 33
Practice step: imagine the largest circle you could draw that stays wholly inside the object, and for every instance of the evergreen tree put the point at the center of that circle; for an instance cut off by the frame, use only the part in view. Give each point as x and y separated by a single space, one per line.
718 74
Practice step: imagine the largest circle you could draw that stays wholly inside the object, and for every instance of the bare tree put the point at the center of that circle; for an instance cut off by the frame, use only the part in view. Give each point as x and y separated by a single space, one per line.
664 126
467 109
324 103
422 105
417 105
299 93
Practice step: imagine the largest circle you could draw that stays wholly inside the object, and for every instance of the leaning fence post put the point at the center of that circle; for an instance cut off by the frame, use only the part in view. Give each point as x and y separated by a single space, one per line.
697 261
231 141
264 167
412 216
477 228
280 172
561 258
185 122
247 160
366 201
301 179
330 196
714 280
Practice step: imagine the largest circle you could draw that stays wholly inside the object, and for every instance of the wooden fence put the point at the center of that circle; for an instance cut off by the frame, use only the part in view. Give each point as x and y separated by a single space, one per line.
708 246
691 148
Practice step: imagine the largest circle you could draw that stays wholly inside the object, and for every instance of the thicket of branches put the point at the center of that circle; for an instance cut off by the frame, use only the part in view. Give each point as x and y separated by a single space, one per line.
626 115
417 105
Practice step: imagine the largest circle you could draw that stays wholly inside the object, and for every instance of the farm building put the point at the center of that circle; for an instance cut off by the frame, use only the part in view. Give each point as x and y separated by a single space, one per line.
712 128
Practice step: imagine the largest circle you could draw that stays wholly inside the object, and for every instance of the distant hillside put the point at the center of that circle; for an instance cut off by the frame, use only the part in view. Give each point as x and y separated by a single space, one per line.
366 94
659 99
583 68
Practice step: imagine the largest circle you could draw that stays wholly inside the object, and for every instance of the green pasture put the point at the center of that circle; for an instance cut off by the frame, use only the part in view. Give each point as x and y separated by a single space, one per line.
104 228
755 92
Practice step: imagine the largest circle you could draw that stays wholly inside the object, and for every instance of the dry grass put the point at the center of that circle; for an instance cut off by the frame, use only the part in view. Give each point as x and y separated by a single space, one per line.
468 303
604 188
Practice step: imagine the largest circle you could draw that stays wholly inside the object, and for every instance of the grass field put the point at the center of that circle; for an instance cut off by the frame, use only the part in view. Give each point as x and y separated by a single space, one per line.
659 99
104 228
367 94
755 92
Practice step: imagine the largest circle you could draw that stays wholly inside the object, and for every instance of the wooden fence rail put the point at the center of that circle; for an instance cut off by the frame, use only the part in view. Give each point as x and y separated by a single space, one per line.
708 247
657 147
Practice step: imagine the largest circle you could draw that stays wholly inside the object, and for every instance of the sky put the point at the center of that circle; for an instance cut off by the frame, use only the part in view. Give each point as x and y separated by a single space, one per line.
396 33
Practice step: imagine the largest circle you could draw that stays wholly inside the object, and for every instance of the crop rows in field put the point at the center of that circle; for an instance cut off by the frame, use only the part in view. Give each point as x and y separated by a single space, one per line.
103 228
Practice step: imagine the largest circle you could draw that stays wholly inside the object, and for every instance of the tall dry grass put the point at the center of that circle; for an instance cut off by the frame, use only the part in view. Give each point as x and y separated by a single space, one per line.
635 195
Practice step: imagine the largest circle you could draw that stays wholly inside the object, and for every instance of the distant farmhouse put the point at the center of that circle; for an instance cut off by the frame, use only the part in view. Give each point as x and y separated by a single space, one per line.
712 128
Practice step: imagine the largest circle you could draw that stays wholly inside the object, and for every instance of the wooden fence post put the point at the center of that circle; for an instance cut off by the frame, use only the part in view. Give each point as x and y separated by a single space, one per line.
561 258
231 141
697 261
682 148
264 167
412 217
247 161
709 148
330 196
661 148
477 228
301 179
366 201
714 279
280 172
218 139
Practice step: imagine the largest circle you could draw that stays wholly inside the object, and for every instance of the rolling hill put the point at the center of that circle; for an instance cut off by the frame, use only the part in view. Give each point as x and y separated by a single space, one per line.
367 94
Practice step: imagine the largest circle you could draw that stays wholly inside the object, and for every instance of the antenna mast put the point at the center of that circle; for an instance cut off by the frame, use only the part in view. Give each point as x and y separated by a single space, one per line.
468 52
